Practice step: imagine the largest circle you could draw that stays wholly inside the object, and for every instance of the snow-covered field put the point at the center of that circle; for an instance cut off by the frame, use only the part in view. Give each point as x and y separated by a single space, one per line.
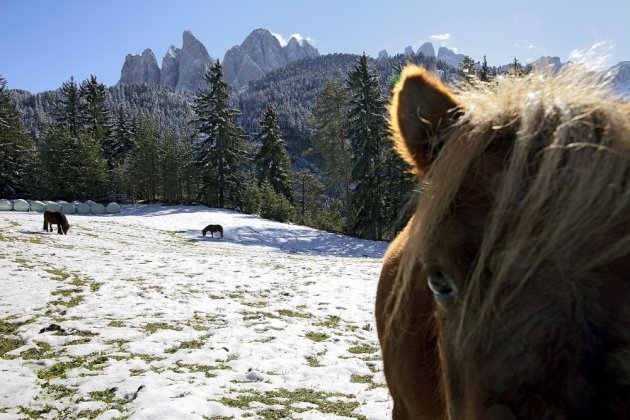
136 315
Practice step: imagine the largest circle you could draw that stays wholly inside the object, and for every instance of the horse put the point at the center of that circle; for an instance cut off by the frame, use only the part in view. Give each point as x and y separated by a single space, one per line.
56 218
507 294
212 229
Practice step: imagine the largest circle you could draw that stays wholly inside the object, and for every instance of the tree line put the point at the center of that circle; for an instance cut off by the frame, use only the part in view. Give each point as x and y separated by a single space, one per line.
345 178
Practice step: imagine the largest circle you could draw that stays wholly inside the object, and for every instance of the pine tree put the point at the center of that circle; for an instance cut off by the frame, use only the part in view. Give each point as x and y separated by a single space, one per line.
220 143
120 140
368 136
484 71
143 162
89 179
188 169
17 151
331 142
398 194
169 164
272 160
69 110
72 166
467 67
95 114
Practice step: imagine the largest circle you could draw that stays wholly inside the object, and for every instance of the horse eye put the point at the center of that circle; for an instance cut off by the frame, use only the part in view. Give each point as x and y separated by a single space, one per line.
442 285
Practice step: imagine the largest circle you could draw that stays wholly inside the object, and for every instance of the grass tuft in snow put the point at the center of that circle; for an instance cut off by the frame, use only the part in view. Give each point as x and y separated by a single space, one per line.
155 326
316 336
8 332
362 349
327 402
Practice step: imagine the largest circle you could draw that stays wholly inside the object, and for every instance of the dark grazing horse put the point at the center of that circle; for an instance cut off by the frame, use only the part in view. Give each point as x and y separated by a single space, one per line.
56 218
507 295
212 229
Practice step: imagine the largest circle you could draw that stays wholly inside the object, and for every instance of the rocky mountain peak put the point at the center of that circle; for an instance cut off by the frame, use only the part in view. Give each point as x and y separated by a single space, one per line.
170 67
260 53
547 63
426 49
619 78
140 68
193 62
183 68
450 57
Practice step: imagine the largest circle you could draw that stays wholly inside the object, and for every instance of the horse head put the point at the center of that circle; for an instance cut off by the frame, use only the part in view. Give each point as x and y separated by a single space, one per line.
507 295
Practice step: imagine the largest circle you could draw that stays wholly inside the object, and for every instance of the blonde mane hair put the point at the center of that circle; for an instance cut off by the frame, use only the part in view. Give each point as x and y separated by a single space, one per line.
561 205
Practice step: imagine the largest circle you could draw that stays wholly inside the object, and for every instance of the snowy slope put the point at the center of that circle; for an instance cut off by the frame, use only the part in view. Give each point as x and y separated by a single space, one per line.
136 314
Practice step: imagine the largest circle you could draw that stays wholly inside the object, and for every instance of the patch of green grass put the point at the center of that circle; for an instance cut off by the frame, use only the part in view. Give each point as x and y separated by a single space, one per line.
194 344
72 302
58 370
361 379
65 292
90 414
78 341
205 369
93 361
9 344
294 314
326 402
316 336
312 361
116 342
147 358
258 315
201 323
8 332
42 350
330 322
115 323
58 391
94 287
58 275
362 349
155 326
77 281
190 344
106 396
36 414
8 327
256 304
23 262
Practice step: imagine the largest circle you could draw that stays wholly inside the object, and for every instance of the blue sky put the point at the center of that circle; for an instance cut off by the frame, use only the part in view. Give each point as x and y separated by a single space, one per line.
45 42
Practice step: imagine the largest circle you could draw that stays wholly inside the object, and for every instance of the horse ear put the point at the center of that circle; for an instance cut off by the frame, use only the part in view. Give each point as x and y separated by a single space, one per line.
421 108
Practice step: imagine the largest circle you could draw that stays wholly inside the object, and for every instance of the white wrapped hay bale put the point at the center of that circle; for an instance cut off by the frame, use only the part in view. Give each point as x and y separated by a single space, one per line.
97 208
6 205
68 208
21 205
90 203
52 206
83 208
112 208
38 206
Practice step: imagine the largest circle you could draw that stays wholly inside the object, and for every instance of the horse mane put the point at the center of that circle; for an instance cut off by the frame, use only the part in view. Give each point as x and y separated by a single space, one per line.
562 202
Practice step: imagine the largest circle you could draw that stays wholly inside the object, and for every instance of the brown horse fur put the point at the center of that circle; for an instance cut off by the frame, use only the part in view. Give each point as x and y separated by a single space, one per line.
56 218
212 229
507 296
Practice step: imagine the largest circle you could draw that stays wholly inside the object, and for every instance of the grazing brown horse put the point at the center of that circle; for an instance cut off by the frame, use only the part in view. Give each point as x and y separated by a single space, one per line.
56 218
507 295
212 229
